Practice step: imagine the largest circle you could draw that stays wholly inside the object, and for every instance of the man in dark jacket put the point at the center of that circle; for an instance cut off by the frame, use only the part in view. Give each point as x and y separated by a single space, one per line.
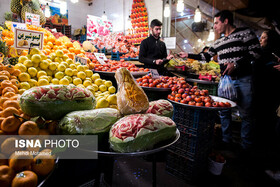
153 51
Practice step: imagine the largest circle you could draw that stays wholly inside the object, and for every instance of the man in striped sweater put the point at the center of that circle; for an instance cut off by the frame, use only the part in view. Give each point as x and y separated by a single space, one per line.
236 51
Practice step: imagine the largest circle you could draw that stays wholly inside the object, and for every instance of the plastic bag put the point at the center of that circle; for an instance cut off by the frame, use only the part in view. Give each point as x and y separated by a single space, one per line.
226 88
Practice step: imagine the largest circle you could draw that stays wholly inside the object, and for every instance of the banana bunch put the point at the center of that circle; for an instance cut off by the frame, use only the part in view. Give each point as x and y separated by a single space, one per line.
32 6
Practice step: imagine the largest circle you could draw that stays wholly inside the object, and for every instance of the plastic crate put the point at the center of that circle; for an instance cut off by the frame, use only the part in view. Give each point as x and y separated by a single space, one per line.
212 88
115 56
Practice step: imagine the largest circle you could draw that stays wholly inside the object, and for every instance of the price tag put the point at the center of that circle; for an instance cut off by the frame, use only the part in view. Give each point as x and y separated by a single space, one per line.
101 58
18 26
81 60
54 30
26 39
155 74
32 19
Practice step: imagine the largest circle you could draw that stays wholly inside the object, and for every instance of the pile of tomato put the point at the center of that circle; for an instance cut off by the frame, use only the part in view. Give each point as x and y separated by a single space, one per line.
161 82
191 95
112 66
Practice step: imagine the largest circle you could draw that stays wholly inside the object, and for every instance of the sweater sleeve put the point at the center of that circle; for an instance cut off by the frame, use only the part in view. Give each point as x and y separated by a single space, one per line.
143 53
203 56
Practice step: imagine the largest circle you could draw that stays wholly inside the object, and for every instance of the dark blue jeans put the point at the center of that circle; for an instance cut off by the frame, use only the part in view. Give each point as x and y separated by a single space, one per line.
244 105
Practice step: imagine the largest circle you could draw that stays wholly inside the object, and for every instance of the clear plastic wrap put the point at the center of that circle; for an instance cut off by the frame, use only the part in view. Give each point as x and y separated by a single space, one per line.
140 132
131 98
226 88
161 107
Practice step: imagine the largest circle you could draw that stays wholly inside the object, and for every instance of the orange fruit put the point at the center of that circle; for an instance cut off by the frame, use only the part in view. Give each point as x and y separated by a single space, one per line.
28 128
10 111
6 176
9 68
9 94
16 72
2 100
25 178
10 124
20 162
15 82
6 83
11 103
71 49
43 164
8 89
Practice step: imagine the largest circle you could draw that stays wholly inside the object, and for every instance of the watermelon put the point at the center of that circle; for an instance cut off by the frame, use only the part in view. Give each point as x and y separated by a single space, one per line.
55 101
161 107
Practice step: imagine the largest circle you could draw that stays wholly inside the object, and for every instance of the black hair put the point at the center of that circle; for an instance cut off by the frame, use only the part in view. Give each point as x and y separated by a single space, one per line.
155 22
204 48
273 40
225 14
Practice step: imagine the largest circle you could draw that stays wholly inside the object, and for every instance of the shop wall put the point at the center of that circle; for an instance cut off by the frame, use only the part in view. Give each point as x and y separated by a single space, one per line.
4 7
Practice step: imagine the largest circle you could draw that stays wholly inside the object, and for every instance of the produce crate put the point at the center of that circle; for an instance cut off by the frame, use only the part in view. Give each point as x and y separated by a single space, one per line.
212 88
115 56
188 156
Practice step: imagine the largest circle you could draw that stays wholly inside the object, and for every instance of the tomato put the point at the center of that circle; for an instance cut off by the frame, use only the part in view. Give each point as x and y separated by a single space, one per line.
151 85
202 93
173 93
174 88
181 90
159 86
189 98
184 101
178 95
194 87
193 96
208 104
221 104
145 84
215 104
206 92
192 90
183 82
197 93
207 99
228 104
150 80
140 84
172 98
177 99
184 95
199 104
139 79
197 99
145 81
191 102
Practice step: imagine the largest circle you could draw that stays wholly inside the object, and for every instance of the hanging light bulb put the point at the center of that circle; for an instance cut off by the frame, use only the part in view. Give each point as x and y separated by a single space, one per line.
197 15
74 1
104 17
63 7
180 6
211 36
166 11
47 11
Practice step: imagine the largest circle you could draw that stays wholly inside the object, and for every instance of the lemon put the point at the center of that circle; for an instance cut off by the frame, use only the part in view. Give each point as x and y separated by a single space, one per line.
108 83
50 78
95 76
21 59
98 82
34 51
24 85
65 57
52 66
49 60
89 73
52 56
59 53
49 72
91 88
61 67
113 106
59 75
32 83
77 81
112 99
95 87
80 86
64 81
87 83
82 75
36 58
41 73
69 78
112 89
35 65
32 71
69 61
44 64
44 77
102 103
43 57
72 66
85 67
89 79
69 71
21 67
77 64
75 72
24 77
55 81
80 68
102 88
20 91
57 59
43 82
65 64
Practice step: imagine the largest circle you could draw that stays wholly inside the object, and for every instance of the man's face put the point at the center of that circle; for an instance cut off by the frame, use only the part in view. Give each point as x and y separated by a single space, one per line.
156 30
219 26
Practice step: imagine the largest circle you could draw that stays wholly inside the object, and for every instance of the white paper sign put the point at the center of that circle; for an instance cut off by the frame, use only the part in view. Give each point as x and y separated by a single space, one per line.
18 26
32 19
155 74
26 39
81 60
170 42
101 58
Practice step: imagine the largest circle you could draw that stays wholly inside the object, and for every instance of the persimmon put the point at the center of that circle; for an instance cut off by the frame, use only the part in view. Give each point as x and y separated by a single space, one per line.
1 120
8 146
10 124
43 164
28 128
20 162
25 178
15 97
3 160
13 77
15 82
2 100
6 176
6 83
16 72
9 94
11 103
10 111
8 89
9 68
5 73
3 77
24 117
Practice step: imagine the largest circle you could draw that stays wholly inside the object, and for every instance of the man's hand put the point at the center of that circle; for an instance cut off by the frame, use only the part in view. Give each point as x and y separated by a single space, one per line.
159 62
169 57
229 69
277 67
183 55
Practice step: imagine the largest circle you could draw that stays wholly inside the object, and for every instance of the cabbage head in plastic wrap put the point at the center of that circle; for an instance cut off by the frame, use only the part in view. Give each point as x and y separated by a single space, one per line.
95 121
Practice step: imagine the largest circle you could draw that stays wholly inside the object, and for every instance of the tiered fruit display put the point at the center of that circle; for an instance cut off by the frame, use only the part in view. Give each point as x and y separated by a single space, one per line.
112 66
139 22
162 82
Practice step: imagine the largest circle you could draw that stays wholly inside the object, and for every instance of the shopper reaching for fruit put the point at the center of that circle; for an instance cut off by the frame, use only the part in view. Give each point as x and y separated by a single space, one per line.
153 51
236 51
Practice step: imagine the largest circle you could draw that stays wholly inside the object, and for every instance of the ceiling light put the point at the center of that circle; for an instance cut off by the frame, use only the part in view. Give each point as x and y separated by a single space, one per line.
166 11
197 15
211 36
199 40
104 16
180 6
185 41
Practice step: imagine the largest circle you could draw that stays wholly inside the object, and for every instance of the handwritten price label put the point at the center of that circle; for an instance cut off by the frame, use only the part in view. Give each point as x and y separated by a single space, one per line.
26 39
155 74
81 60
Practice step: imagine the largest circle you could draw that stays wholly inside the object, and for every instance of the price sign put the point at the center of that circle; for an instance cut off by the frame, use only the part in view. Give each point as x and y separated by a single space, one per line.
81 60
32 19
101 58
26 39
18 26
154 73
